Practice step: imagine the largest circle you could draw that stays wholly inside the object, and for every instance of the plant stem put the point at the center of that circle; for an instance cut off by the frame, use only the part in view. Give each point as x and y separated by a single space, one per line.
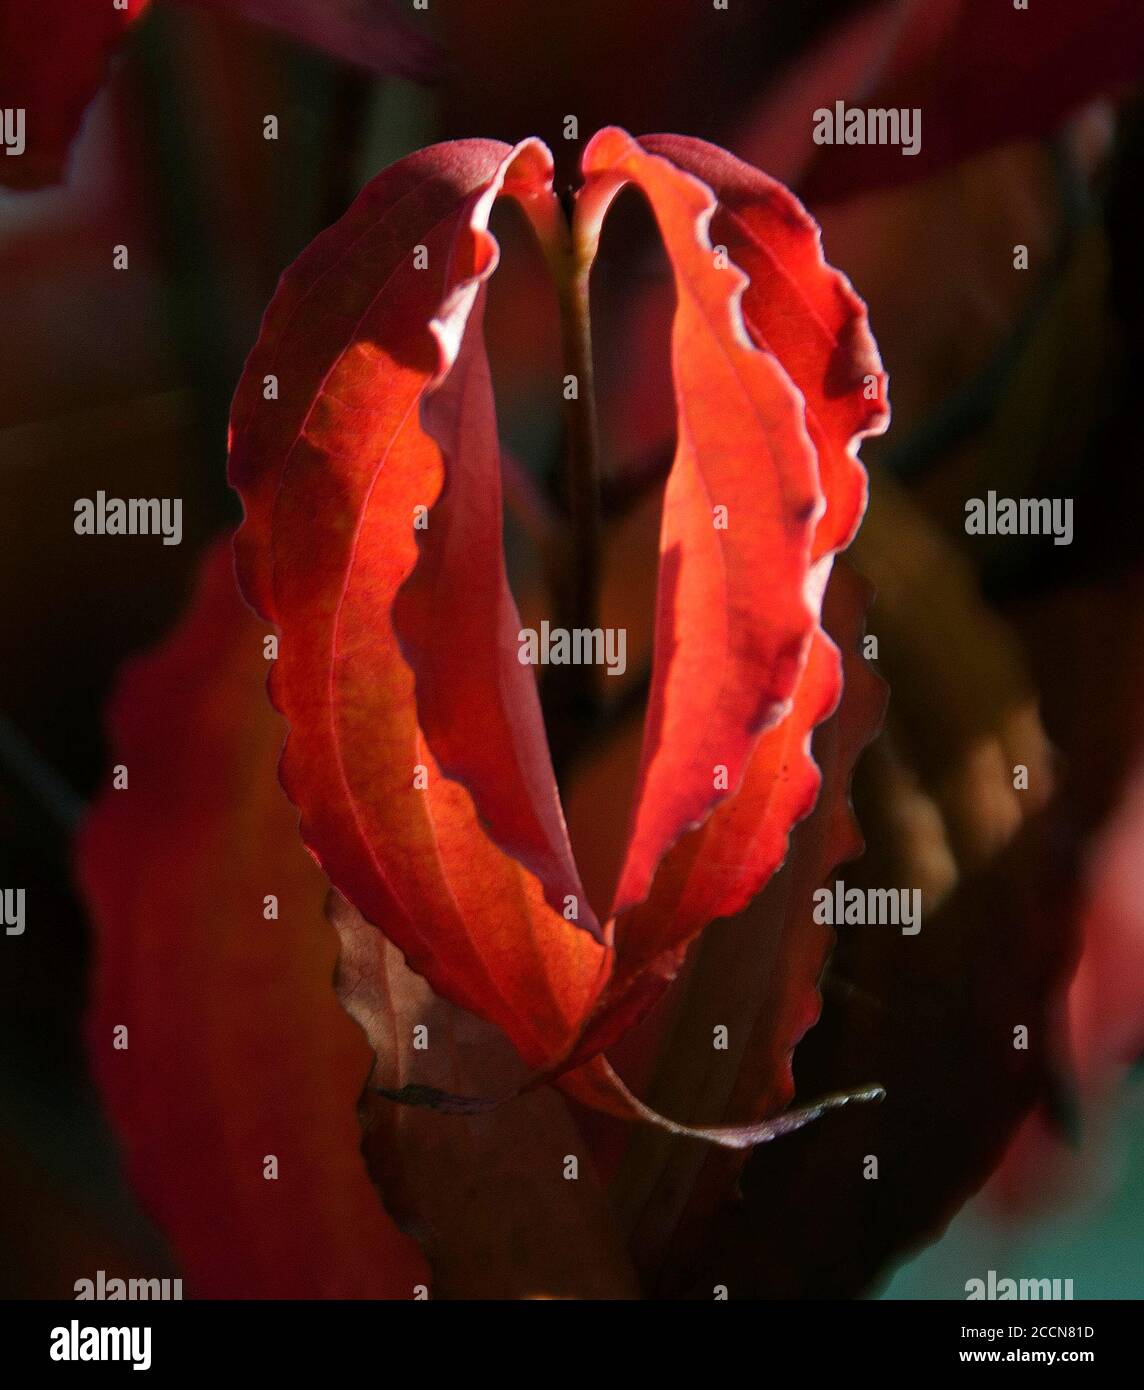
569 693
582 452
570 252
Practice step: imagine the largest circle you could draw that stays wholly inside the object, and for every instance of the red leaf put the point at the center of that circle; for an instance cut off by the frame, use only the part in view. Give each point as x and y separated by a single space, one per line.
809 324
417 751
733 611
330 477
236 1046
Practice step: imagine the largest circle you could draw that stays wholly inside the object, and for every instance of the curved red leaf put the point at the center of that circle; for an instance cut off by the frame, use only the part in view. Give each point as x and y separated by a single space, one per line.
734 612
806 319
372 538
332 474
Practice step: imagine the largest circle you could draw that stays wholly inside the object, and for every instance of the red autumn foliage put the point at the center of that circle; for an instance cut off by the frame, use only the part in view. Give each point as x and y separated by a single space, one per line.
851 1228
396 658
236 1044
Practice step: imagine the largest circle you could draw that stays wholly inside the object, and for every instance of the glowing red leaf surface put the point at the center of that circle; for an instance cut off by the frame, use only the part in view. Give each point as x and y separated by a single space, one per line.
364 445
